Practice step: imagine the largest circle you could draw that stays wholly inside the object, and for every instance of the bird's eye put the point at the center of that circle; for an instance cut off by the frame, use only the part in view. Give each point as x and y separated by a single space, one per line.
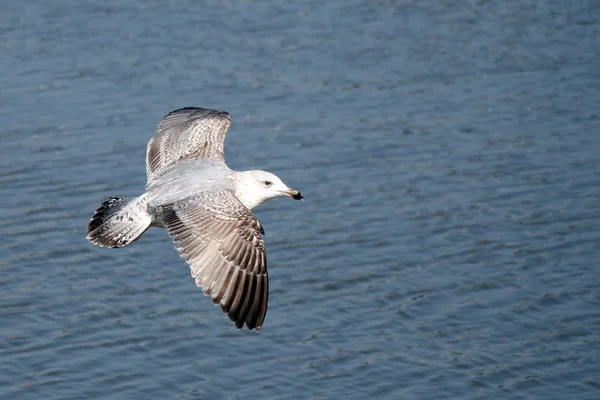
268 183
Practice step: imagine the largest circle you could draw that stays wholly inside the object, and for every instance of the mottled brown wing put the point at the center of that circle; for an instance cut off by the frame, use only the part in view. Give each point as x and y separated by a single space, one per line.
222 243
188 133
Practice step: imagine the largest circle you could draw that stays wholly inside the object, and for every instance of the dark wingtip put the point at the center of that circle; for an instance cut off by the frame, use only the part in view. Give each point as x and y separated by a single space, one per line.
298 196
193 111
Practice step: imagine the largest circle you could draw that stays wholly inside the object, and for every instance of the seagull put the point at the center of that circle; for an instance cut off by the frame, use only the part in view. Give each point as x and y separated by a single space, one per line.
206 209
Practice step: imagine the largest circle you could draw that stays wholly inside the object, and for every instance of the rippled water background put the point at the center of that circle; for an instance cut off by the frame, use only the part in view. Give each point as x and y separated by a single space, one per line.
448 247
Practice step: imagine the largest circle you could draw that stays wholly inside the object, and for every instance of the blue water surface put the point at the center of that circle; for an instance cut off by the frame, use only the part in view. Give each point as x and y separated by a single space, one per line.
448 246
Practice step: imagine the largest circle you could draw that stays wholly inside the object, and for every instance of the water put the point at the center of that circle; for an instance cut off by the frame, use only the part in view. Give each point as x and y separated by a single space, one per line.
449 153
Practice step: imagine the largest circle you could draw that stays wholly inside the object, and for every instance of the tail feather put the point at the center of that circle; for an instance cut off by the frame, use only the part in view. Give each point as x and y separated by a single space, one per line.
119 221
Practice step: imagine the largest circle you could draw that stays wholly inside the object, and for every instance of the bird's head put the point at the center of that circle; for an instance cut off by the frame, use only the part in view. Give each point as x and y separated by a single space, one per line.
256 187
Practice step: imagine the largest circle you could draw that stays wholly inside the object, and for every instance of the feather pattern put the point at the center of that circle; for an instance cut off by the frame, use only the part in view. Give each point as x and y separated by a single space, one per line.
221 241
188 133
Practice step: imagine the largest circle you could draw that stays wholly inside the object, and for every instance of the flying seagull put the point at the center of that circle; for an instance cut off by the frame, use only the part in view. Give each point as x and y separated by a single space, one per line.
205 207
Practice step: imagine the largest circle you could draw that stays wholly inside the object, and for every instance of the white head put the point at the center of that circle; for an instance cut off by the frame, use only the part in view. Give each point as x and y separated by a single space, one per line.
255 187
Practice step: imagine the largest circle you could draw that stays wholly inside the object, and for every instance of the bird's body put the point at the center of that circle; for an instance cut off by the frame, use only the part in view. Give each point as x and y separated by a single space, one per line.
188 178
205 207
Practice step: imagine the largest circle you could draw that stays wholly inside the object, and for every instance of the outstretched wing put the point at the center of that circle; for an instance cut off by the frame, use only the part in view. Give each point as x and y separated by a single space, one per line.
221 241
188 133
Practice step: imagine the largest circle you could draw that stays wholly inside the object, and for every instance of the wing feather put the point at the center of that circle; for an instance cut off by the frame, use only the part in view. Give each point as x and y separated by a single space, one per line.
222 243
188 133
